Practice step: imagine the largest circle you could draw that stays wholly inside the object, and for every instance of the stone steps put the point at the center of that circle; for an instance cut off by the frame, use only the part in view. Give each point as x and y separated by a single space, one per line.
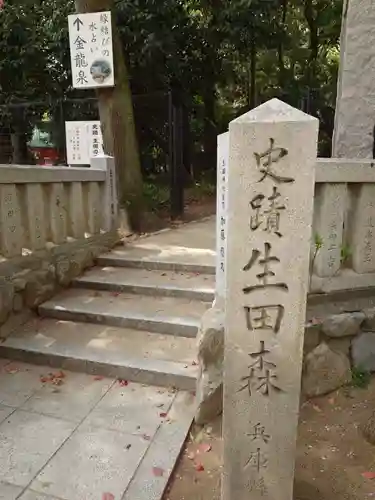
140 356
137 323
165 315
134 317
152 257
139 281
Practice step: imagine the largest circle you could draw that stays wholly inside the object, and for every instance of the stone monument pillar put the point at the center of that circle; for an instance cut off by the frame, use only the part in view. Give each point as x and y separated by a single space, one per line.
272 156
353 135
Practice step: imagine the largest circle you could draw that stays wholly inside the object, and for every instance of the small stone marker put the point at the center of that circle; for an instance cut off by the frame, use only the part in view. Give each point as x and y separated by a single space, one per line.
272 156
221 214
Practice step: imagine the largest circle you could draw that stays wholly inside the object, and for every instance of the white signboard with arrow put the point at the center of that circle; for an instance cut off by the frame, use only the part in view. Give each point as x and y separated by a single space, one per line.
91 50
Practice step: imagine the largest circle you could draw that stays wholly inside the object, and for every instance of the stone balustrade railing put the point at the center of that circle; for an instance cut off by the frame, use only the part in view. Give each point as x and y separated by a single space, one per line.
47 206
344 225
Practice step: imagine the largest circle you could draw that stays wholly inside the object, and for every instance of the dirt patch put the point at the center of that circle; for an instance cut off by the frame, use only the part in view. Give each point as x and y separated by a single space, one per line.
332 455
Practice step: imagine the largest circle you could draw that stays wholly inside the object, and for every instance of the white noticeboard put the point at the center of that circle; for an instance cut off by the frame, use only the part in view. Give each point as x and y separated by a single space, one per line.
91 50
83 141
221 212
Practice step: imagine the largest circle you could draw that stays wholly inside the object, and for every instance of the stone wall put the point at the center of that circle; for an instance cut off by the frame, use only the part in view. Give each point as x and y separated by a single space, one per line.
28 281
333 347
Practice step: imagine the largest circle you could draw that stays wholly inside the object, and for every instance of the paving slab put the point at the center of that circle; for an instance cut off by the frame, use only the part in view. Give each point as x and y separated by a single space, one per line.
27 442
18 381
33 495
134 409
5 411
168 315
92 462
146 486
9 491
129 431
155 282
72 400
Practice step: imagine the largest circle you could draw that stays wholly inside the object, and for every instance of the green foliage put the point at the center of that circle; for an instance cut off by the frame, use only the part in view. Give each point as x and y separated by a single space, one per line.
346 253
360 378
318 241
204 49
156 196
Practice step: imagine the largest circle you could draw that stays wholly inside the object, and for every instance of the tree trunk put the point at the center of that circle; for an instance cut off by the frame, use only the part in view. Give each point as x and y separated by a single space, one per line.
210 130
253 70
20 153
117 119
280 51
313 42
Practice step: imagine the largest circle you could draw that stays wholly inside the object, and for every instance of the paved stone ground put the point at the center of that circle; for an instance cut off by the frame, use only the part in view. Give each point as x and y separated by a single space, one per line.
72 436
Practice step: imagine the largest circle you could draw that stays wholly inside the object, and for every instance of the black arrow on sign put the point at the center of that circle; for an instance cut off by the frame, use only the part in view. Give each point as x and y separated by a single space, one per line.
77 23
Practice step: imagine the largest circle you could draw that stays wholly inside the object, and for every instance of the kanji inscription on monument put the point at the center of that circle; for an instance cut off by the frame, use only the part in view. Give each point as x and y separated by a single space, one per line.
272 155
221 213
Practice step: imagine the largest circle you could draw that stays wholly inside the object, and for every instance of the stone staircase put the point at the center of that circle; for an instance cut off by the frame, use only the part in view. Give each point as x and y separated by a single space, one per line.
134 316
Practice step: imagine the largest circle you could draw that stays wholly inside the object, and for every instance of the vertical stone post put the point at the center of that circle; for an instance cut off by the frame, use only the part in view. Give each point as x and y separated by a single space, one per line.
272 156
221 216
110 202
363 238
353 135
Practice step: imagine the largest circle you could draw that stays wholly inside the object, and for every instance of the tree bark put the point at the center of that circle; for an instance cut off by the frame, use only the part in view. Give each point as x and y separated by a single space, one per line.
253 71
310 17
210 130
117 120
280 51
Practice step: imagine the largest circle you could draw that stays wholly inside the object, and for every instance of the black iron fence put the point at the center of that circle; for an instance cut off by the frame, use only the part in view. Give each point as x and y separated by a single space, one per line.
31 129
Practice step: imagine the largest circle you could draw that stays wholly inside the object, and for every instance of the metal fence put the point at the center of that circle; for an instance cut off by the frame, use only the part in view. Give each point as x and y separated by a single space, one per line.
159 126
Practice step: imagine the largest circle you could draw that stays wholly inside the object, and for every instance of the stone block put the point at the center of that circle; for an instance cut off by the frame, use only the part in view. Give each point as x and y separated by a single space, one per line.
311 338
40 286
343 325
71 266
325 371
369 323
6 300
17 303
363 352
30 280
341 344
209 392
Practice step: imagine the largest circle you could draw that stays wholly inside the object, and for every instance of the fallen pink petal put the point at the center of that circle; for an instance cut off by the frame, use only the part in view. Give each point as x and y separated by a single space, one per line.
204 448
158 471
368 475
